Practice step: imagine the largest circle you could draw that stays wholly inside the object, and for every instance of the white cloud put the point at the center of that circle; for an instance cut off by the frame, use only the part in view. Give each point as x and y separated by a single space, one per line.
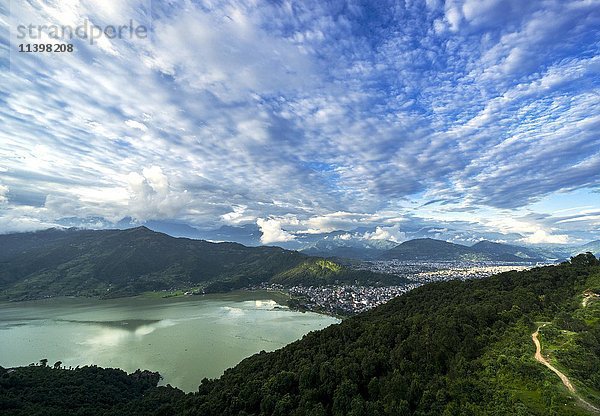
23 223
454 17
3 192
151 196
272 231
251 104
136 125
543 237
392 233
340 220
237 215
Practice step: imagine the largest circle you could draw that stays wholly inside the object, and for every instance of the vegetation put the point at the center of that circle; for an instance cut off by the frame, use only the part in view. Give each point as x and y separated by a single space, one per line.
424 249
449 348
325 272
114 263
42 390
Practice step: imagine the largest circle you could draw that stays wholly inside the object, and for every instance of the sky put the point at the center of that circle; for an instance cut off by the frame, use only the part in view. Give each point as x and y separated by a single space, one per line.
304 117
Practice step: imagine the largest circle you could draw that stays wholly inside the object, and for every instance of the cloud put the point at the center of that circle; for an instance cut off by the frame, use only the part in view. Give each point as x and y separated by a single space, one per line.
339 220
541 236
392 233
237 215
311 115
272 232
151 196
3 192
136 125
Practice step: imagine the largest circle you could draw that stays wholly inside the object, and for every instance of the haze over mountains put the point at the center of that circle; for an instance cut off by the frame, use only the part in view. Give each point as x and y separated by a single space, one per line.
427 249
372 243
111 263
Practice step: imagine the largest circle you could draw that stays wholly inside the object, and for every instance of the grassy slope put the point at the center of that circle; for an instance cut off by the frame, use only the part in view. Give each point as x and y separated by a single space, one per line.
318 272
572 343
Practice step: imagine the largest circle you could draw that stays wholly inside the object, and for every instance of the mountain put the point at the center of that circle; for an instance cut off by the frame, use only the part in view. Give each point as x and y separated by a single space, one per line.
523 253
174 229
446 348
344 245
248 234
428 249
591 247
109 263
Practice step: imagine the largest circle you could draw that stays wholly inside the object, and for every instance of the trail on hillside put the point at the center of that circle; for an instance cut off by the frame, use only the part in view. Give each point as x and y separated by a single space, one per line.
588 296
540 358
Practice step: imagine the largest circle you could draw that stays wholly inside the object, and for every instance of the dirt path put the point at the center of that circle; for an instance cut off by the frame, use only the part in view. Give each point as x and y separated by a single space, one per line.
540 358
587 297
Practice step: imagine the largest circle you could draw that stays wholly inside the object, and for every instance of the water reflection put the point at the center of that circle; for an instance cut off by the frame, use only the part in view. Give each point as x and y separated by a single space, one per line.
184 340
114 333
265 304
130 325
105 338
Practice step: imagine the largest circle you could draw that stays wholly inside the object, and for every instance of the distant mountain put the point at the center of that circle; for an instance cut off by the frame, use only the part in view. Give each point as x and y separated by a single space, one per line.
351 248
109 263
592 247
523 253
428 249
345 252
248 234
175 229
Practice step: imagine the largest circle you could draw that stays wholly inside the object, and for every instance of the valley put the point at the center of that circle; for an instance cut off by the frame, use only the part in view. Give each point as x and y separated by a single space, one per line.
458 347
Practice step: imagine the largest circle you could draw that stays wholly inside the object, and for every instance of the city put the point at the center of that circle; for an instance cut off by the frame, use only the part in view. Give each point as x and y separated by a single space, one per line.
345 300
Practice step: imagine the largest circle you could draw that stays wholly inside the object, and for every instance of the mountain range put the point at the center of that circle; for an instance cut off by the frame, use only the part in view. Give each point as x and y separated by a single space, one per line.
110 263
591 247
428 249
360 243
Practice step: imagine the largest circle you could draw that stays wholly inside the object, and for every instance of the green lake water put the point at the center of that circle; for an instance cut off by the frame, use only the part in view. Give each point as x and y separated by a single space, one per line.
185 339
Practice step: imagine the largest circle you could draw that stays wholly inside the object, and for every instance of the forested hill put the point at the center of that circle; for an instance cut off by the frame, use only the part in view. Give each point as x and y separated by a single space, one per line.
449 348
111 263
429 249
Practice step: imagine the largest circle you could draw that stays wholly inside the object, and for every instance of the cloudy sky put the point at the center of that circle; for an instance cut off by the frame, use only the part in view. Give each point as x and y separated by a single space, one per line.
307 117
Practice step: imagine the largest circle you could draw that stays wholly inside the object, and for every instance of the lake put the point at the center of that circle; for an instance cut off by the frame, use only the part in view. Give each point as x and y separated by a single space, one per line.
185 339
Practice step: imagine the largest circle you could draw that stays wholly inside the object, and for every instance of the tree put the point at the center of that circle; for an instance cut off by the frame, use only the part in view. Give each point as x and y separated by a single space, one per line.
57 364
43 362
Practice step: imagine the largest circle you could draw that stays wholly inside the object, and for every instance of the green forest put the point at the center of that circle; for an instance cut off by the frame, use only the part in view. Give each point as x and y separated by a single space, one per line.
448 348
121 263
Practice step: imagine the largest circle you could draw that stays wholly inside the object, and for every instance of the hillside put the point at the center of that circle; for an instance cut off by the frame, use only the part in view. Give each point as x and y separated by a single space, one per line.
111 263
342 251
591 247
351 248
500 250
428 249
449 348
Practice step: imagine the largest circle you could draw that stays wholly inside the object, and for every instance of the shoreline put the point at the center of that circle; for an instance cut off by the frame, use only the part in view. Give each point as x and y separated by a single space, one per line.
196 322
281 297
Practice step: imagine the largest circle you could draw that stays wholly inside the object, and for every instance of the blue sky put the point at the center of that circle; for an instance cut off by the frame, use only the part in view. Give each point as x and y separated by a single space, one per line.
481 117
